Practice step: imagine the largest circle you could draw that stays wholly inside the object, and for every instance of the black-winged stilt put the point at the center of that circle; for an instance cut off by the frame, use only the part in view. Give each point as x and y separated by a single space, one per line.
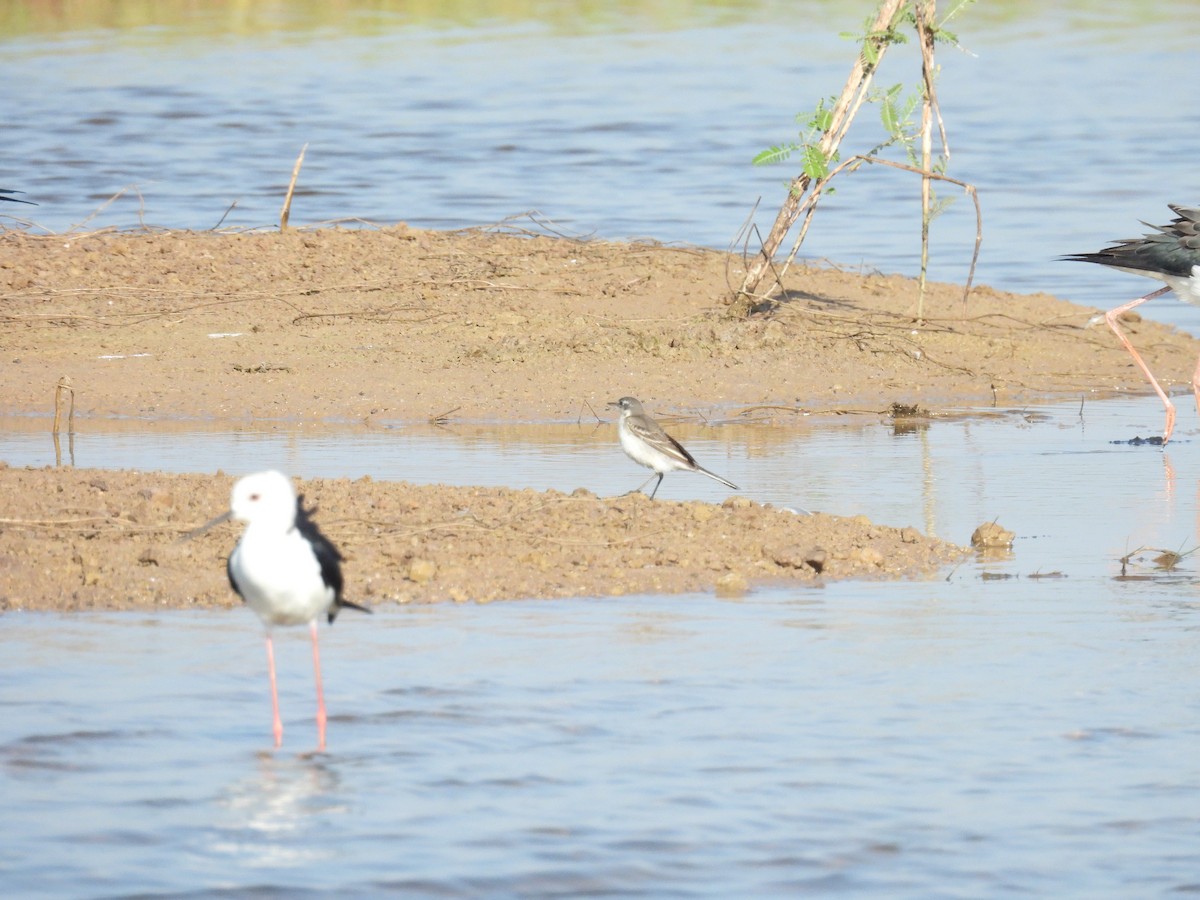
1171 253
644 441
4 195
284 569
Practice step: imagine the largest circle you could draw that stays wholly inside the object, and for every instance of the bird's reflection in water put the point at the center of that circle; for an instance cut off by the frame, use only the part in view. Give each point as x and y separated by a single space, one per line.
281 799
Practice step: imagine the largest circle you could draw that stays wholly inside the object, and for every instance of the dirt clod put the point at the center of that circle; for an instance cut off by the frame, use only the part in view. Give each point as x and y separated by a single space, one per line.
991 535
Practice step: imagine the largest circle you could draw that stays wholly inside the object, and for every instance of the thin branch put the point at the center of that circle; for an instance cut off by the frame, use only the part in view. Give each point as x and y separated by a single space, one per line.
841 116
286 212
855 161
924 14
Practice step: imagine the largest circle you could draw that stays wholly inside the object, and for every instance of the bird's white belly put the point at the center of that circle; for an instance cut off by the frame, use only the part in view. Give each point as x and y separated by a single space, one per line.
644 454
1186 289
280 579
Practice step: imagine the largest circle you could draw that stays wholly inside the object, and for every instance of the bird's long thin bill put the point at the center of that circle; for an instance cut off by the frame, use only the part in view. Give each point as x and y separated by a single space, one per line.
196 532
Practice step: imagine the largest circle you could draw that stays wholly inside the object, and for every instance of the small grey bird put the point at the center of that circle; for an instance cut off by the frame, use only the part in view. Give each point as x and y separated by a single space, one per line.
644 441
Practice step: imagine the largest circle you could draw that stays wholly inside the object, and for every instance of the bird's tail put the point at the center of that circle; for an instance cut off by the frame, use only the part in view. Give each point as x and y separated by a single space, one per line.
716 477
340 604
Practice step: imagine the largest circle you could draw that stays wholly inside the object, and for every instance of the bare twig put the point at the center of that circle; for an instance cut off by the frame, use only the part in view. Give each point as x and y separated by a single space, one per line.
443 417
924 14
595 415
225 215
852 97
286 212
109 202
855 161
64 386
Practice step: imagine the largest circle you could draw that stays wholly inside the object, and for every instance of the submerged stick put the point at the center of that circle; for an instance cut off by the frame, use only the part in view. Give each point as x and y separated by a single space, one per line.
64 386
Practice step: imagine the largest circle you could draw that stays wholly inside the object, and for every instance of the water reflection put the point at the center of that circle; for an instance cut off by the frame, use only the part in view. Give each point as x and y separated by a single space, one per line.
1033 470
854 734
276 812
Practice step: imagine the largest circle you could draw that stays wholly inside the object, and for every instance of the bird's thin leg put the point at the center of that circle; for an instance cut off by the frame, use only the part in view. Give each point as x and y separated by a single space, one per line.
276 722
1111 318
1196 385
642 485
320 692
655 491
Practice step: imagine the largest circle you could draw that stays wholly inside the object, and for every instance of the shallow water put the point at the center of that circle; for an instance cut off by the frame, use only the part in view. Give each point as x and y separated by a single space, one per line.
1036 468
898 740
987 733
991 733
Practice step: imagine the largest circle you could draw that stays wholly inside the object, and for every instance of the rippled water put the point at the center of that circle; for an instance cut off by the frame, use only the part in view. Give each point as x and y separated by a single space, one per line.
1023 725
618 121
896 740
1026 725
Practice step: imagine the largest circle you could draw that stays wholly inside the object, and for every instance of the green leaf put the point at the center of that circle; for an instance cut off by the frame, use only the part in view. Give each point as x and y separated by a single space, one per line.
816 165
896 117
887 115
821 120
773 155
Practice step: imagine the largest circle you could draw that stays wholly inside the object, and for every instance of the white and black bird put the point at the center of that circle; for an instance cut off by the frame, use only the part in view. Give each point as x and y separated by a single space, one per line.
285 570
1171 254
644 441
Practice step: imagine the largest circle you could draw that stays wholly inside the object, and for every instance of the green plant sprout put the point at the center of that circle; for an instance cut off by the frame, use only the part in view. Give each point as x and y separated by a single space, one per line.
826 126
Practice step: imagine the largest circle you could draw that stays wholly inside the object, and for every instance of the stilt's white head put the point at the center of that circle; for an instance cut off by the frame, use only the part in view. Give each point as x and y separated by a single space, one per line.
265 499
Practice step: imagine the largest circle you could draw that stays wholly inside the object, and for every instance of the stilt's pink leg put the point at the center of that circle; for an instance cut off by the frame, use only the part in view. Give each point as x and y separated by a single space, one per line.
1111 318
277 723
1196 385
320 692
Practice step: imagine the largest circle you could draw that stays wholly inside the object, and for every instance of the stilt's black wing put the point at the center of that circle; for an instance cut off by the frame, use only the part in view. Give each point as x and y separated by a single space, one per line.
229 571
1168 250
328 557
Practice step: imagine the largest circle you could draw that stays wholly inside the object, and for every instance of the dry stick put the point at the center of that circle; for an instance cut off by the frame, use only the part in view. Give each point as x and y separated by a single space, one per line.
840 117
141 208
742 237
925 19
809 204
595 415
856 161
287 201
226 216
538 218
64 384
103 206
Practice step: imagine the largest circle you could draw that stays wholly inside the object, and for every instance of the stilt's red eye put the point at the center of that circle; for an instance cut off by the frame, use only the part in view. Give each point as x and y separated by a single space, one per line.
254 497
